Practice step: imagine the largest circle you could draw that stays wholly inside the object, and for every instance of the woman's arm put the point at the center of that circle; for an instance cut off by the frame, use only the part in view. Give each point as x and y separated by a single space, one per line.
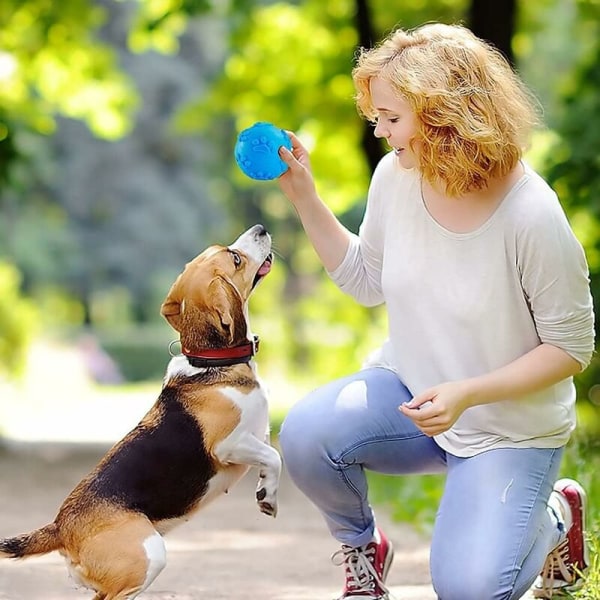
327 235
540 368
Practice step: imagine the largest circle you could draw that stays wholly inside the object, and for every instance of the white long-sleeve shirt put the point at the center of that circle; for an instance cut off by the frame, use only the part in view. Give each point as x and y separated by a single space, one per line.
464 304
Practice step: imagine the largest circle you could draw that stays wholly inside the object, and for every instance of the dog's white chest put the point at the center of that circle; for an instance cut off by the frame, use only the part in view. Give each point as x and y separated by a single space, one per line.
253 407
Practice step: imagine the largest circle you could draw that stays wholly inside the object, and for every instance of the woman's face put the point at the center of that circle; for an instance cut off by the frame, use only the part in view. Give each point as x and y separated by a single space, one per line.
396 122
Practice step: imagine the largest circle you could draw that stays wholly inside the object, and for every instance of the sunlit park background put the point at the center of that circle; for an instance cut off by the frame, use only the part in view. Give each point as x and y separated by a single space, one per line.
118 120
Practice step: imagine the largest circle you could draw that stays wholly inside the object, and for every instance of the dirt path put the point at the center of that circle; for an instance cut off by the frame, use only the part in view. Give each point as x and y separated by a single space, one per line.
228 551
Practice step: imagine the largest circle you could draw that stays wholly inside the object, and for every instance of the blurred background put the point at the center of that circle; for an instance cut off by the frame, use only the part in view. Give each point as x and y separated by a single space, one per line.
118 120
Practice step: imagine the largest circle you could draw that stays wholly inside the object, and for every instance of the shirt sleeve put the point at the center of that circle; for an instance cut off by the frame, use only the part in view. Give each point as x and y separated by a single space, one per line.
359 274
555 280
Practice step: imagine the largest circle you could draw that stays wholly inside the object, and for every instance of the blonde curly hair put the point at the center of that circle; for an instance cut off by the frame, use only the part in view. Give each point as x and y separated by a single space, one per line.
474 113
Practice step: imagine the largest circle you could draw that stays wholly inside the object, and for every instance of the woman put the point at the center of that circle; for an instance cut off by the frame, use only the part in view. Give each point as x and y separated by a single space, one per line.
490 316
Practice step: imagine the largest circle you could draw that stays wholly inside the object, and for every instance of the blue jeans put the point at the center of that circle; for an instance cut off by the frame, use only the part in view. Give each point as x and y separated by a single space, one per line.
492 531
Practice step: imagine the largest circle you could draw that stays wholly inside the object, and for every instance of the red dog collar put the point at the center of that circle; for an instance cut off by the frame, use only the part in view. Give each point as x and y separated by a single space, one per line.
222 357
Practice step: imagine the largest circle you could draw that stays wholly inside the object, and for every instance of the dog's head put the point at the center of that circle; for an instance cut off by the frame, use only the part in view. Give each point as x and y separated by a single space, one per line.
207 304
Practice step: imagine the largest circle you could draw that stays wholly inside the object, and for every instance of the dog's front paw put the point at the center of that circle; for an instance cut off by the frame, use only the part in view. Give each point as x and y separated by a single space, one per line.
267 502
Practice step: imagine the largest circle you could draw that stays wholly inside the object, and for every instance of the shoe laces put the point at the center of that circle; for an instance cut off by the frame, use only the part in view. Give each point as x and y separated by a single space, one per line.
362 577
558 566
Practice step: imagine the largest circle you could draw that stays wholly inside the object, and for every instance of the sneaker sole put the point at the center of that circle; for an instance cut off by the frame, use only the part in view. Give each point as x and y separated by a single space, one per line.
559 592
562 592
388 561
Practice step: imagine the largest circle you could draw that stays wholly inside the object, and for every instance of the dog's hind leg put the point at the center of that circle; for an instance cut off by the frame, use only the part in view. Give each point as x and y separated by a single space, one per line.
121 562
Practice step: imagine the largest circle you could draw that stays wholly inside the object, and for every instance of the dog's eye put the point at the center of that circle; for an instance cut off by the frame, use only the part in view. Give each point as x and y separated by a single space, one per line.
237 259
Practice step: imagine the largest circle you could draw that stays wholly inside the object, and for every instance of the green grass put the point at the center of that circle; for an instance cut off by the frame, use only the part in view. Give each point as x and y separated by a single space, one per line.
591 587
582 462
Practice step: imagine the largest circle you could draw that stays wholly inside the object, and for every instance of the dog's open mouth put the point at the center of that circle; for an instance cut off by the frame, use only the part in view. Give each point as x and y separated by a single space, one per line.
263 270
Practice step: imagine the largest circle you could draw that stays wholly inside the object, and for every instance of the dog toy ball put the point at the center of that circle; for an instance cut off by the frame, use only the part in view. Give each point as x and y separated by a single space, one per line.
257 151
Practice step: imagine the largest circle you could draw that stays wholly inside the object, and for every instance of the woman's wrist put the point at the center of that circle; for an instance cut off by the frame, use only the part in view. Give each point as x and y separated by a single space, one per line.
483 389
473 393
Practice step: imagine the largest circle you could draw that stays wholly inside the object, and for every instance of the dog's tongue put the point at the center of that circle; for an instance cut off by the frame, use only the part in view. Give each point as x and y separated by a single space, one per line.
265 267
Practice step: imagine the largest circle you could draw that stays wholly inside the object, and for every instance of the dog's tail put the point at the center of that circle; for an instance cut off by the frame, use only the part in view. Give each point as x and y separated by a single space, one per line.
40 541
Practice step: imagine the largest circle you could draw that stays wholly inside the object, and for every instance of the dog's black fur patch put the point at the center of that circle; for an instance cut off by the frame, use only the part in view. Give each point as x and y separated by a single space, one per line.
161 470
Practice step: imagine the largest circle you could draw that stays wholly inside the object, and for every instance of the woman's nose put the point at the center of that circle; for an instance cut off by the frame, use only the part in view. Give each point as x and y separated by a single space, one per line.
379 131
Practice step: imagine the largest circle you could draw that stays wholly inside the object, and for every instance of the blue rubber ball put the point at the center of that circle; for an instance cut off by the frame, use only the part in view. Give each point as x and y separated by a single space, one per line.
257 151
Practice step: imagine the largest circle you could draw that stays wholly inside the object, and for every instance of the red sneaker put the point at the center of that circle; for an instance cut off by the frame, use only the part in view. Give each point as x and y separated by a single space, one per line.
565 565
366 569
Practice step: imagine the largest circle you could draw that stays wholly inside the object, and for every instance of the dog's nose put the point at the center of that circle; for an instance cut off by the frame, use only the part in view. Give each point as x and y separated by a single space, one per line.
260 230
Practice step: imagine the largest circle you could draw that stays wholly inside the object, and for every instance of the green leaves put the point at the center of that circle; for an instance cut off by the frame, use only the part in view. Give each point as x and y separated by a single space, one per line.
287 68
18 320
53 61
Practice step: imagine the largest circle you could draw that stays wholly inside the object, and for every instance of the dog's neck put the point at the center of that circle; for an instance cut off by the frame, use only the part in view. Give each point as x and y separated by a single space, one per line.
222 357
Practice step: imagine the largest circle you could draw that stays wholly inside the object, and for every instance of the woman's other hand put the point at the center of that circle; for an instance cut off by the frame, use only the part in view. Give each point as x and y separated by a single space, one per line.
435 410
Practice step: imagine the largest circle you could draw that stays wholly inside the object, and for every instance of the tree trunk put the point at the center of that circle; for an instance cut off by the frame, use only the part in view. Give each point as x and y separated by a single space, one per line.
372 147
494 21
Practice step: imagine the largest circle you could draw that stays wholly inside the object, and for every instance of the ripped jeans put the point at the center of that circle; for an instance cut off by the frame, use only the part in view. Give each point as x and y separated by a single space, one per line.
492 531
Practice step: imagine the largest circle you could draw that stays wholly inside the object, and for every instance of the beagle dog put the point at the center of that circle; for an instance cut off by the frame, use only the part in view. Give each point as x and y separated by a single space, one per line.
209 425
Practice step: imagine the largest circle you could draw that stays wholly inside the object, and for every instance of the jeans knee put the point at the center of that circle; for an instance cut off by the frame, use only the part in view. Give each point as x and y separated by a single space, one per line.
299 439
289 442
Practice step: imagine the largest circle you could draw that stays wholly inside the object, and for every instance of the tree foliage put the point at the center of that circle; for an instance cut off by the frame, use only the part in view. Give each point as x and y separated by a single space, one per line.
18 320
573 162
91 216
95 202
291 64
53 61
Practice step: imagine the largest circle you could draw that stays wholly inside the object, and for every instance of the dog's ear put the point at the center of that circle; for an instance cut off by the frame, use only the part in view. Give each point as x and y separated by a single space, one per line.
228 304
171 307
